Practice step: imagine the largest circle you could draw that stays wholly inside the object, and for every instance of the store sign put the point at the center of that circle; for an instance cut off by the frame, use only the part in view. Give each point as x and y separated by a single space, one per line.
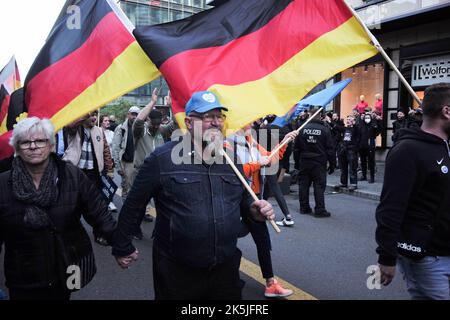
429 71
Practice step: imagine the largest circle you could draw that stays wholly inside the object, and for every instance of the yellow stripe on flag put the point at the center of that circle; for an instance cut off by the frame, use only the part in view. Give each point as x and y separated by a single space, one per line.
3 128
131 69
277 92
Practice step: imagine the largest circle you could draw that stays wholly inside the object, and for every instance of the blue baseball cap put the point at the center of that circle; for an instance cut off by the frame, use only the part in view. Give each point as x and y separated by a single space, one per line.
203 101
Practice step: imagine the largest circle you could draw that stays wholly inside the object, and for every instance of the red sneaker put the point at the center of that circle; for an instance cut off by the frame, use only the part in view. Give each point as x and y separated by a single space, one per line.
277 291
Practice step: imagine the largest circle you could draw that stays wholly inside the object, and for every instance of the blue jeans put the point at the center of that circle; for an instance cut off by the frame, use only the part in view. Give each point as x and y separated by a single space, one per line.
428 278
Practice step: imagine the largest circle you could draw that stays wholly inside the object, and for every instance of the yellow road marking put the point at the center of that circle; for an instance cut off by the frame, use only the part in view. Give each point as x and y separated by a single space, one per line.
253 271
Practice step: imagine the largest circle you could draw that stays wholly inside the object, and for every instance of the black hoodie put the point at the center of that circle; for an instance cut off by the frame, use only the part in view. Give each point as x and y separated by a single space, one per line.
415 191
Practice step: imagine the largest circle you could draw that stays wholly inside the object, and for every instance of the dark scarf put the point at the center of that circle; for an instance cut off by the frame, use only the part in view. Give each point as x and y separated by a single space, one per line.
37 201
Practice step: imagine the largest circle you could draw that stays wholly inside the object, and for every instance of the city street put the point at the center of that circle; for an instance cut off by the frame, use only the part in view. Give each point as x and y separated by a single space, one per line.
337 84
324 258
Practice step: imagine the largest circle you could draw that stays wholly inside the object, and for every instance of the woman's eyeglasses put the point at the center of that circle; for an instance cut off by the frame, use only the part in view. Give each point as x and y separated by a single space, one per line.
210 117
40 143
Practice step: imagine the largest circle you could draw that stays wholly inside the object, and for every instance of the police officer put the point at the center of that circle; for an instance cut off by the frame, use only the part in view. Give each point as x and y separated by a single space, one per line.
313 149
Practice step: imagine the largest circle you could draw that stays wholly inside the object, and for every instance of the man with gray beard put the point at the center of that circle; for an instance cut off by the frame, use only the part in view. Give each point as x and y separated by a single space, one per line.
199 205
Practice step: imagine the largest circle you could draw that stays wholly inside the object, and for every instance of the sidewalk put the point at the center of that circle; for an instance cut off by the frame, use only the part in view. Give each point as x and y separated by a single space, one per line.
365 189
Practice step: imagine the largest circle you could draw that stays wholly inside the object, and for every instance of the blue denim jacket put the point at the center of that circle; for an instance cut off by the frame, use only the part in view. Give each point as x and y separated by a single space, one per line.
198 209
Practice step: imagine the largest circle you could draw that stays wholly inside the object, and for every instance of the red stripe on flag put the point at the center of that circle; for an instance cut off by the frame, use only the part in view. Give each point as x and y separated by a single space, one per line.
255 55
54 87
5 149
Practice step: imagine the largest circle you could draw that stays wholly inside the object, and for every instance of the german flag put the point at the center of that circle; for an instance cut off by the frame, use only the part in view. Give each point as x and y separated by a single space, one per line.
89 59
10 90
17 82
4 104
15 111
10 77
6 150
259 56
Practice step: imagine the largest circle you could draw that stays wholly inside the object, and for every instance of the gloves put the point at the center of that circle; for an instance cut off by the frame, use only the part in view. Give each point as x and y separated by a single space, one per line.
330 170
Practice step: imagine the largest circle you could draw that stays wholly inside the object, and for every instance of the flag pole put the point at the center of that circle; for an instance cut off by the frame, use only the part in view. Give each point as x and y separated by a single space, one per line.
274 152
244 182
380 49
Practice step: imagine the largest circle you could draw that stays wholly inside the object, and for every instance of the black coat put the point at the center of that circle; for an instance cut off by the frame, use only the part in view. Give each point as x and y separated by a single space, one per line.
350 139
368 134
314 143
399 124
410 122
336 127
37 259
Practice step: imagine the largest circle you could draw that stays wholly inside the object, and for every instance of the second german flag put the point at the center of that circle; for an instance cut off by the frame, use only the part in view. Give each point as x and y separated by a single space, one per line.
259 56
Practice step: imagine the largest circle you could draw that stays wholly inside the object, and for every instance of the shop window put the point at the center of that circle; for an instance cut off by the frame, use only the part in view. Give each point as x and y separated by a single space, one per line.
368 80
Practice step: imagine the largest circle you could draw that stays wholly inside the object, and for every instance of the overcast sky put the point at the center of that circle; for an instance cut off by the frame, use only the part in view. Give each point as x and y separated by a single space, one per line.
24 25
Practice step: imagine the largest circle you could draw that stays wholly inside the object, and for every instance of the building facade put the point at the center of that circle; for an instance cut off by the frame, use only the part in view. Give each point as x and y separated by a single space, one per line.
147 12
416 36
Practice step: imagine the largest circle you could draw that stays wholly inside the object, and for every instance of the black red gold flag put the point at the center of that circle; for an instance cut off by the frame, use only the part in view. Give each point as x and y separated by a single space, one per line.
259 56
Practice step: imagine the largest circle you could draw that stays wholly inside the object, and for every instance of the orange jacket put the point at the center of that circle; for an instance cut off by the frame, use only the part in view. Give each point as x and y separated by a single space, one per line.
252 169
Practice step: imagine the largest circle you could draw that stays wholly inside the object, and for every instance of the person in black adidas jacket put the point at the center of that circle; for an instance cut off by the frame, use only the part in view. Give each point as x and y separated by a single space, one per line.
413 217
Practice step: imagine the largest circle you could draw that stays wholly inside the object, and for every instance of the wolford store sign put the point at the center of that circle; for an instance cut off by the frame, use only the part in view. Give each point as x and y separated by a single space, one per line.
432 70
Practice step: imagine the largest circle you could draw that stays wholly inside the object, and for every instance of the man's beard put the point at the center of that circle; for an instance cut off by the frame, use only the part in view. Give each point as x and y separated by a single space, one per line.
212 141
209 148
